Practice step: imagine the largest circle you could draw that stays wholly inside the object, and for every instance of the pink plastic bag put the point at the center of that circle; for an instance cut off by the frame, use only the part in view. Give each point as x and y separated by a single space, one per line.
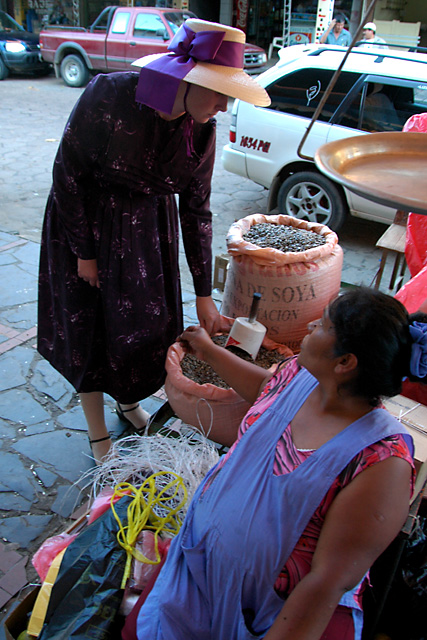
413 294
102 503
50 548
416 231
143 573
416 243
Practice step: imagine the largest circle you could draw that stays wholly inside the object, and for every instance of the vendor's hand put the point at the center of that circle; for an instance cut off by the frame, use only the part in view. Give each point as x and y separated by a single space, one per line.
88 271
196 341
208 314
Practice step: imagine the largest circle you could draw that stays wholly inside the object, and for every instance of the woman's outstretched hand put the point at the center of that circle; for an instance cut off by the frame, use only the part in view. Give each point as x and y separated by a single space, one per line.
88 271
196 341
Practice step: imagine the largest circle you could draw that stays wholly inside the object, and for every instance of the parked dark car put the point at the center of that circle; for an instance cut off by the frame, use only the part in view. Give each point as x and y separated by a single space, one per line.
19 49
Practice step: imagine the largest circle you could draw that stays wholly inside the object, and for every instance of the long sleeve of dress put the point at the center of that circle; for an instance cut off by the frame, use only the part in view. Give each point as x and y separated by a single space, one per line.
85 138
196 221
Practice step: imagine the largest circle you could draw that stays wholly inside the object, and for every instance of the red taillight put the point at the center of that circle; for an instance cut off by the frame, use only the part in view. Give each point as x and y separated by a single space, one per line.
232 136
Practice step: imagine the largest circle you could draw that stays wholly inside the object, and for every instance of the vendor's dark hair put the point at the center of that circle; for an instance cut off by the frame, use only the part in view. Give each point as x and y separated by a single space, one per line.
375 328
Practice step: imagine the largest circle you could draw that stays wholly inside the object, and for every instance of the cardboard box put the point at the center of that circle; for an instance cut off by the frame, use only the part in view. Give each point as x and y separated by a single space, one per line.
220 271
19 615
17 620
414 416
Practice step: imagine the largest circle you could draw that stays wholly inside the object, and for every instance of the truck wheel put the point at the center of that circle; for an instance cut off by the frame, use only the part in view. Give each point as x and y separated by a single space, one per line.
4 71
308 195
74 72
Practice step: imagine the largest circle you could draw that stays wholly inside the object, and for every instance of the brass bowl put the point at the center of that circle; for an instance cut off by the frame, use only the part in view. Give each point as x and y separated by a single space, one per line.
388 168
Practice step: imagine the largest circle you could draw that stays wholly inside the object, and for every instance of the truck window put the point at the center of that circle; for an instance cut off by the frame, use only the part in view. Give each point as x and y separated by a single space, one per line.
120 23
176 18
149 25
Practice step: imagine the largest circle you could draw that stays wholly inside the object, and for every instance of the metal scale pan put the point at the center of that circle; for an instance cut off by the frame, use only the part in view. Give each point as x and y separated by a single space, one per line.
388 168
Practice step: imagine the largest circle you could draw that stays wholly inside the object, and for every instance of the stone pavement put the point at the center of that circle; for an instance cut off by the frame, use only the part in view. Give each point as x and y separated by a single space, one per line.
44 448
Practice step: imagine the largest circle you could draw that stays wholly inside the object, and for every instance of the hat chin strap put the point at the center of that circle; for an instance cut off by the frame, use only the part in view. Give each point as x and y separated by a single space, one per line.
185 97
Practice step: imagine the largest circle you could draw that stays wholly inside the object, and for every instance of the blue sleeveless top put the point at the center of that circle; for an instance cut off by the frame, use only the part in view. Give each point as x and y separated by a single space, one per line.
218 580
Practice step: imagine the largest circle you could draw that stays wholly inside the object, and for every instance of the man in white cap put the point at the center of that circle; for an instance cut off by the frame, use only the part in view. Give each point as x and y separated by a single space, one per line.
370 38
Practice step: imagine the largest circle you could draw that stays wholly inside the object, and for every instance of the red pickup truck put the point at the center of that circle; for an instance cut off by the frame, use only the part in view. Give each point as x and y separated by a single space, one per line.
119 36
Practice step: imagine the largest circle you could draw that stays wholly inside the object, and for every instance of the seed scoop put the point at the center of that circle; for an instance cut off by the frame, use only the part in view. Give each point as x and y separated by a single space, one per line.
247 333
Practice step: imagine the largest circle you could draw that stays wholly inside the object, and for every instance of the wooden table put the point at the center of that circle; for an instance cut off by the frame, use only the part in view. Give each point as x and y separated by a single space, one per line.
393 241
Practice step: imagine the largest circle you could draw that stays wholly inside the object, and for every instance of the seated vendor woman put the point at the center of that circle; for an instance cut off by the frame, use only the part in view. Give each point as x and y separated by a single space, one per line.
280 535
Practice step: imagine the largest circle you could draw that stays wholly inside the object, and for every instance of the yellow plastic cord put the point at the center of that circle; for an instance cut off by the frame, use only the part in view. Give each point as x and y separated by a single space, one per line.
141 515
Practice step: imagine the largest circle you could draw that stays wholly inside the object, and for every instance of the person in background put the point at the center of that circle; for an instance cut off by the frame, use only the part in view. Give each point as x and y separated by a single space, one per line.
280 535
109 285
370 39
335 33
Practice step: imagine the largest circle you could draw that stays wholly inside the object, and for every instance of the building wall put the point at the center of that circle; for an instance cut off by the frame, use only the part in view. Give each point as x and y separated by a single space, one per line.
206 9
226 11
406 11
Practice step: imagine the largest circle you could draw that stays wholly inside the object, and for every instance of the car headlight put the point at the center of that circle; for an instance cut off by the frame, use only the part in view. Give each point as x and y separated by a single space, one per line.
15 47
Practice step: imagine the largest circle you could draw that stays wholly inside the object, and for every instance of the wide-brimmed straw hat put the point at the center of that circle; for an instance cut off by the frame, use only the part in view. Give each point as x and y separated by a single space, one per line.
208 54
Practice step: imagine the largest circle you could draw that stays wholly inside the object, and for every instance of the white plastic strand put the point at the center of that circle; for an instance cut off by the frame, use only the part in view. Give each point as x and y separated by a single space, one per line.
133 458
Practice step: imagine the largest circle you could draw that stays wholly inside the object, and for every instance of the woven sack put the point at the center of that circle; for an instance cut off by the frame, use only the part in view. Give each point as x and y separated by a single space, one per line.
214 411
295 286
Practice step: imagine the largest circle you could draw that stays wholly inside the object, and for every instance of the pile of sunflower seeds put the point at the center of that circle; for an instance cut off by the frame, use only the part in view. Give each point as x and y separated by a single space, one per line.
282 237
201 372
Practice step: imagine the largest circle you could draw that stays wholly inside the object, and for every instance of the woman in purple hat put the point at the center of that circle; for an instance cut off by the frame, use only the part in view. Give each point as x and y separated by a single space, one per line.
109 284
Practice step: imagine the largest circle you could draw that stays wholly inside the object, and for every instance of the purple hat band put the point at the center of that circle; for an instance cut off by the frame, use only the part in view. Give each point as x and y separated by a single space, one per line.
187 48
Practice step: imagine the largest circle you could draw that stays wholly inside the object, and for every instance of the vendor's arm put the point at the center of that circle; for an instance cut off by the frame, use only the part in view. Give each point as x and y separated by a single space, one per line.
245 378
362 521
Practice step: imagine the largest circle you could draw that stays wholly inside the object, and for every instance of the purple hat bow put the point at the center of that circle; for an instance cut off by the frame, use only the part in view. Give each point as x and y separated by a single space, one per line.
186 48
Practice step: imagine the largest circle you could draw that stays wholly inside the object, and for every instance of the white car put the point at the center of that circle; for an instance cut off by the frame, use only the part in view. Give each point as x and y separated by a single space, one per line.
377 90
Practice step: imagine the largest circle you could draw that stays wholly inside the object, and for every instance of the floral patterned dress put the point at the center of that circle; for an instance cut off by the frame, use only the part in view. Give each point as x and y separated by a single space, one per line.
118 168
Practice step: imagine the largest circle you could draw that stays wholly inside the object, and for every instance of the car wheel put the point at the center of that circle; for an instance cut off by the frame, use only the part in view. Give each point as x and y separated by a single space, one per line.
310 196
74 72
4 71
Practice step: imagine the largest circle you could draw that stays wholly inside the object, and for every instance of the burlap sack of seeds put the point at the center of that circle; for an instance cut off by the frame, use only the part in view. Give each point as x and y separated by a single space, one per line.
295 286
215 411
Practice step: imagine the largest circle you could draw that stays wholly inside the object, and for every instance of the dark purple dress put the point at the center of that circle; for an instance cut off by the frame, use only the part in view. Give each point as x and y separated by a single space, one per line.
118 167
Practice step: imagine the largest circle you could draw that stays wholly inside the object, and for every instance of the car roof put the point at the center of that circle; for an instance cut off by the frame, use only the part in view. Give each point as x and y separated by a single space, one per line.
149 9
380 61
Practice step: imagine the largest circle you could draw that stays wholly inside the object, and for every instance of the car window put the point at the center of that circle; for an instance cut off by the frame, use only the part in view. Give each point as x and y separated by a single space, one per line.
149 25
384 105
120 24
300 92
9 24
420 95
